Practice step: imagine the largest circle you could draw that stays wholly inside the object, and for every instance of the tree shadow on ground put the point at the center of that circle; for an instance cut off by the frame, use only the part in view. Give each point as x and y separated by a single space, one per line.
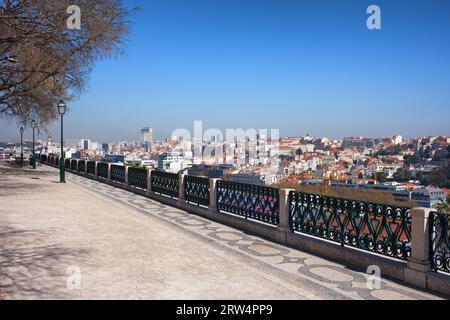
7 168
10 185
30 268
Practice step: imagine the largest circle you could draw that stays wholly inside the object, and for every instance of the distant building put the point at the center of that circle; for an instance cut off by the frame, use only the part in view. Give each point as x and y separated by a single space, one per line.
76 155
148 163
216 171
85 144
245 178
281 151
428 197
352 142
387 168
170 161
105 147
398 191
146 138
307 147
114 158
398 139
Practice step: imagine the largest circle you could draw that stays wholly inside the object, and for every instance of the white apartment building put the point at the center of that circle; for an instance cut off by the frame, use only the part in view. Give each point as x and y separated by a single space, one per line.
172 162
389 169
398 139
307 147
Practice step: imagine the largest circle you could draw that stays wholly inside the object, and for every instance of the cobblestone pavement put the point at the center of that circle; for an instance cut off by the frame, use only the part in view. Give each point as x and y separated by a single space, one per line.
302 275
334 278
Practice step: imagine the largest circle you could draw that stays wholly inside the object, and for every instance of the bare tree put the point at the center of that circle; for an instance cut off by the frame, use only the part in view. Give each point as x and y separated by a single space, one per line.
43 61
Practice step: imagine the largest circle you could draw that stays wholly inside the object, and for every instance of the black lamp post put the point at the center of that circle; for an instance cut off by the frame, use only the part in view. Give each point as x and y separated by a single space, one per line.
21 146
61 111
33 126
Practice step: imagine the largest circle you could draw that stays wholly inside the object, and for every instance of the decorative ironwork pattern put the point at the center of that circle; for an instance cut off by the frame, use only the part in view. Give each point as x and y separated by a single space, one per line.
91 167
250 201
369 226
57 162
118 173
165 183
102 170
73 165
67 164
81 166
137 177
196 190
440 241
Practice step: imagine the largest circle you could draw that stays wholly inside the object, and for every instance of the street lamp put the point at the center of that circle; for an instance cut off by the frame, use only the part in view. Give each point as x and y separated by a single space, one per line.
33 126
21 146
61 111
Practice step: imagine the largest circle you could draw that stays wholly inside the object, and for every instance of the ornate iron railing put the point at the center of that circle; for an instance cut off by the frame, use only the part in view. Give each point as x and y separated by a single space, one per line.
250 201
102 170
73 165
196 190
165 183
440 241
90 167
118 173
137 177
81 166
369 226
57 162
67 164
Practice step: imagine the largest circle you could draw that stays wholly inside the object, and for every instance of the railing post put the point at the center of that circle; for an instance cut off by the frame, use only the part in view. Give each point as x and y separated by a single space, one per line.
419 263
85 167
95 170
181 186
109 172
285 223
213 194
149 182
126 176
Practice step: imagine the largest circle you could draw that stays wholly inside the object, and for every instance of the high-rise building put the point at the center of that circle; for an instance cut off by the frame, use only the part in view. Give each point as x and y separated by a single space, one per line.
105 147
146 138
85 144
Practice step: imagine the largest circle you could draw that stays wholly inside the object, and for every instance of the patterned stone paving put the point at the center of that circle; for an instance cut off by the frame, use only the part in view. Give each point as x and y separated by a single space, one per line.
334 280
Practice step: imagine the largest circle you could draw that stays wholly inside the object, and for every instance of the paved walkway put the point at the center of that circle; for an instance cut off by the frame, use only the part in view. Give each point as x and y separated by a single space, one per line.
126 246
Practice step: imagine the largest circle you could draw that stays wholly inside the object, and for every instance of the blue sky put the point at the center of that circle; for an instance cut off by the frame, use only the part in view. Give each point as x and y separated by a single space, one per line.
300 66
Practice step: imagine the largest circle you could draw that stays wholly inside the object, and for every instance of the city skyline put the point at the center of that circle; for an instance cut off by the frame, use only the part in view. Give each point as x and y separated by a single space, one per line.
301 68
138 139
